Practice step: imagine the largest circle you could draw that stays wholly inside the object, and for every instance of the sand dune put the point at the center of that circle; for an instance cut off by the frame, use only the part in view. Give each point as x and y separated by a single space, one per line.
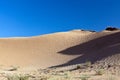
60 49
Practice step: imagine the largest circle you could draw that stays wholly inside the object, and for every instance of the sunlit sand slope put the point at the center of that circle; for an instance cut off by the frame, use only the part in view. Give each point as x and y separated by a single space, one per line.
63 48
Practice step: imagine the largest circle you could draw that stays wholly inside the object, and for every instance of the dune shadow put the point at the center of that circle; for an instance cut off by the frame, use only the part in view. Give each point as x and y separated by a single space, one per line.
93 50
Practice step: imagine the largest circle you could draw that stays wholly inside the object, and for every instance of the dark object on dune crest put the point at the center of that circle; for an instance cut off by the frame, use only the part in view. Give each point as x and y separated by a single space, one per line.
111 29
92 31
88 30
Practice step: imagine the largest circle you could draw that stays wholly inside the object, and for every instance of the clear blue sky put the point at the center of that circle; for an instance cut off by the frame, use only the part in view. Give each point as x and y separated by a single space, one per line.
37 17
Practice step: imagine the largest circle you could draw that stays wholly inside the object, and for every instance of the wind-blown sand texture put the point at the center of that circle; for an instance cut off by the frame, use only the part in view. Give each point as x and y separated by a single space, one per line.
65 55
61 49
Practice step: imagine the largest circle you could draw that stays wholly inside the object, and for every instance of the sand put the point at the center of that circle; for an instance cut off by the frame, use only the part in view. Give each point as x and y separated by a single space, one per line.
62 48
62 51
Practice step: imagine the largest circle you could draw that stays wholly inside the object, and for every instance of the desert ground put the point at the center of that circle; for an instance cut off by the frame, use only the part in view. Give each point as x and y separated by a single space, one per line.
70 55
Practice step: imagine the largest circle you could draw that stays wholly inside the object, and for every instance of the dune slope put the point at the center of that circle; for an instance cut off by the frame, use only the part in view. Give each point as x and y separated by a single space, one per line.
61 49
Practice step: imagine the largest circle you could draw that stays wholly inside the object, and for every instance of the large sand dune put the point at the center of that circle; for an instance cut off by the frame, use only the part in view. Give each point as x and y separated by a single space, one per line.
60 49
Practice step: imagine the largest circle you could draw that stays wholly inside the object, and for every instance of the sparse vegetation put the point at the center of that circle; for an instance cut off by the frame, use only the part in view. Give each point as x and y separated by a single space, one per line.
111 28
17 77
83 72
79 66
12 68
84 77
99 72
88 63
111 78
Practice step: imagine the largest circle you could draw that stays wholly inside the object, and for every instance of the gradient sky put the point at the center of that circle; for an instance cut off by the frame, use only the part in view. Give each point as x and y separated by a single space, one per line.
37 17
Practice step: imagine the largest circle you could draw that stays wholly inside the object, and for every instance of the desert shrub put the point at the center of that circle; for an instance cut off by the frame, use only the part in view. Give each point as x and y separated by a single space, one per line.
88 63
79 66
84 77
111 28
83 66
17 77
67 75
44 78
99 72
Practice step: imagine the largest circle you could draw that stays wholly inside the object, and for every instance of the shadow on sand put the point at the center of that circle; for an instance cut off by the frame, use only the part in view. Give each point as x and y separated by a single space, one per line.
93 50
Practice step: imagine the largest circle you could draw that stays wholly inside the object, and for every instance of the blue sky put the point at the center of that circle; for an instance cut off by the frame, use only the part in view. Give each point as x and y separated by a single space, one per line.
37 17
